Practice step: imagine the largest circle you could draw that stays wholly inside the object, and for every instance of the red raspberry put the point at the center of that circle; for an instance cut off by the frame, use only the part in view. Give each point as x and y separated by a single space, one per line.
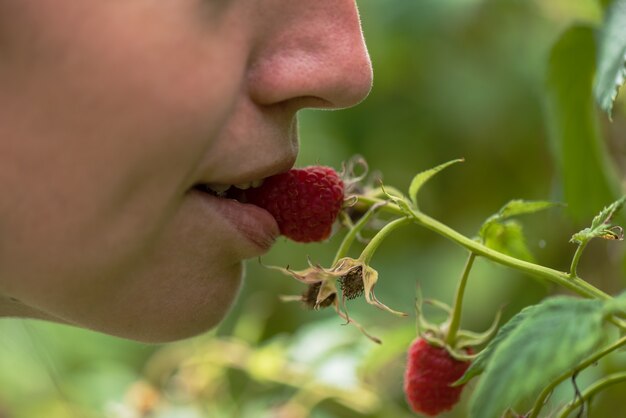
305 202
430 371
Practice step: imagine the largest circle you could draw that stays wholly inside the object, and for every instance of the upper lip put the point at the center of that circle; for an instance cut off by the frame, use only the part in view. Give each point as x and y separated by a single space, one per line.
250 175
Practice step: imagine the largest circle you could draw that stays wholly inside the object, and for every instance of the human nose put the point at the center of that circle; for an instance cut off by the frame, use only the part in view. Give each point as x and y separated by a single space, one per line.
311 54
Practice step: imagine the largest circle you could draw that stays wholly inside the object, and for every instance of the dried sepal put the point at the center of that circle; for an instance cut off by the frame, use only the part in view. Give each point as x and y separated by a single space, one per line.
370 277
353 172
360 181
352 276
311 297
350 201
316 296
326 294
313 274
358 326
354 272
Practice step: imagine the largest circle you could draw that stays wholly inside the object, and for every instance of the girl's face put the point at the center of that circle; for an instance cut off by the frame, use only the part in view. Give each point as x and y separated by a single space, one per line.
112 111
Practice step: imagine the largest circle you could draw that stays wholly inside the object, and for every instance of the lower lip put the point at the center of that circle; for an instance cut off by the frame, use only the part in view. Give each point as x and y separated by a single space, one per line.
255 224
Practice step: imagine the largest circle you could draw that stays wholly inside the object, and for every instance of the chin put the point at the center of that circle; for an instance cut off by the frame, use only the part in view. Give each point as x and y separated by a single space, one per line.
175 309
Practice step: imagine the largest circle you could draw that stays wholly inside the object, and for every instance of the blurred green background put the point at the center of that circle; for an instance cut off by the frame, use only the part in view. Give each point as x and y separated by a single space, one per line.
453 78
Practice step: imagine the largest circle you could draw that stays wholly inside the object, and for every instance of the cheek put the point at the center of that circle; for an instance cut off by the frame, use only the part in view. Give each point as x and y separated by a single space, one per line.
138 99
103 131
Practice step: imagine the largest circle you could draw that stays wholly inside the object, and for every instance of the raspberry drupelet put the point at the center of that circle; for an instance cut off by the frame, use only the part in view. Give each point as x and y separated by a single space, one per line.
305 202
429 373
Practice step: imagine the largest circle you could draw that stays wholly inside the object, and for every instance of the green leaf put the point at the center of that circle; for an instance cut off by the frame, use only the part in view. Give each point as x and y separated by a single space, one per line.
480 362
601 226
515 208
611 56
550 340
523 207
607 213
587 175
421 178
508 238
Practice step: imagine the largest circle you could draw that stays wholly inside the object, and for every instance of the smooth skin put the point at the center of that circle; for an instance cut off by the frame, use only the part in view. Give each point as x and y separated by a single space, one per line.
111 111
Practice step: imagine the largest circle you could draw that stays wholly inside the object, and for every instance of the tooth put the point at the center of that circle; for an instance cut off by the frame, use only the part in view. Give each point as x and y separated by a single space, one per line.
257 183
219 188
243 186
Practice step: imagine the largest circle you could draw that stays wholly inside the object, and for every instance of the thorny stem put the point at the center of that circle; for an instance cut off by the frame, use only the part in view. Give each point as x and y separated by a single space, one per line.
455 321
591 391
541 400
576 259
370 249
575 284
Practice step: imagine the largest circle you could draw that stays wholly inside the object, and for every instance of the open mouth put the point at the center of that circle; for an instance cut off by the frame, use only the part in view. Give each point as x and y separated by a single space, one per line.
228 191
233 204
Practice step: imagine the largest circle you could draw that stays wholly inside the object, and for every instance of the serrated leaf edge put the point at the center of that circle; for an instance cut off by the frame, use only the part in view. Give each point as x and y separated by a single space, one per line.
421 178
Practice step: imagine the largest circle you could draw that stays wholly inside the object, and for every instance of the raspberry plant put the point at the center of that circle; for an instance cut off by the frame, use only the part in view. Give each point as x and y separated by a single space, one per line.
520 360
545 344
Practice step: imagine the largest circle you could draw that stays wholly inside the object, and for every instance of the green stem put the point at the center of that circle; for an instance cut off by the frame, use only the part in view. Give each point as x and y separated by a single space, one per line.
455 321
560 278
541 400
354 231
370 249
591 391
576 259
380 193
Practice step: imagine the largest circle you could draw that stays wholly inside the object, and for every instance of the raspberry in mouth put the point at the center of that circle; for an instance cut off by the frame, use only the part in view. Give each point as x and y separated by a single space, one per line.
304 202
